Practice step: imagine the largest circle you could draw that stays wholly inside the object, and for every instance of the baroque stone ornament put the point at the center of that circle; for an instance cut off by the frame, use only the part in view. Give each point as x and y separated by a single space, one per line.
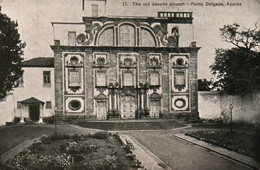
166 41
128 91
154 61
75 105
91 31
180 61
73 59
180 103
128 60
100 59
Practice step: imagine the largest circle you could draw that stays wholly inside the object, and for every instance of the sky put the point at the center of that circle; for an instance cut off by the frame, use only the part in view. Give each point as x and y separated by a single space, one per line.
35 16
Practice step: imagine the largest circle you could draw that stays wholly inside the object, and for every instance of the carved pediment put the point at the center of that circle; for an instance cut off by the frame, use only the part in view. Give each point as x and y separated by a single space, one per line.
100 59
127 60
73 59
180 61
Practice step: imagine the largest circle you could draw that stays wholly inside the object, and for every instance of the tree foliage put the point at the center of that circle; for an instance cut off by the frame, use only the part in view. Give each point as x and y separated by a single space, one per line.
248 38
204 85
238 69
11 50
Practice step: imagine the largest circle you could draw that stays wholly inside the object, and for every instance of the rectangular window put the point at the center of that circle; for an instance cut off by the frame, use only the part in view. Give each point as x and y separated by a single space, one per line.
48 105
128 79
154 79
74 78
127 35
101 78
179 78
46 78
19 105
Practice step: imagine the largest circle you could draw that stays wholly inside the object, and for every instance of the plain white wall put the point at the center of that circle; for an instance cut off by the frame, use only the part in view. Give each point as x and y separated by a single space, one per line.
245 109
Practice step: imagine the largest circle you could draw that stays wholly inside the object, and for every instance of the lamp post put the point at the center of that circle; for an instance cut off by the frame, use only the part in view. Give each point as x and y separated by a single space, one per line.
55 121
231 107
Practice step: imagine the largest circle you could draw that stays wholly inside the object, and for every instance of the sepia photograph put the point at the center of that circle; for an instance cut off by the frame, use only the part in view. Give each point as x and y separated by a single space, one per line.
130 84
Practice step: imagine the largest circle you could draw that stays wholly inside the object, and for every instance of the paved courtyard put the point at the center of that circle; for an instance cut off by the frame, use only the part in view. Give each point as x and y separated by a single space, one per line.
180 155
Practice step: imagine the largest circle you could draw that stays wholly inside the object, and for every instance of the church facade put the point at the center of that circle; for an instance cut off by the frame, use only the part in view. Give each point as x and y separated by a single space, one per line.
127 68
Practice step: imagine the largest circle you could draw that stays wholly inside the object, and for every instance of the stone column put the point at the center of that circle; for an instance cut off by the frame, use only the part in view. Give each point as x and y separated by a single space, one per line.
110 101
113 100
145 99
139 104
41 113
21 116
116 101
142 99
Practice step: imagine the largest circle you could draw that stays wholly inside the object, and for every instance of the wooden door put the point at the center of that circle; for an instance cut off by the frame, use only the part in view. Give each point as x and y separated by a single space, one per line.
128 107
34 112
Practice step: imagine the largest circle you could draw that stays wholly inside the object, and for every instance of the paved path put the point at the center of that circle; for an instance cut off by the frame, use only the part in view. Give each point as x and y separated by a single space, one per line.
180 155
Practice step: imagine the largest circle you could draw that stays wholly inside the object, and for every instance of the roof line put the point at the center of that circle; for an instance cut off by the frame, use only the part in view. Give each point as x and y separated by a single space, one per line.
73 23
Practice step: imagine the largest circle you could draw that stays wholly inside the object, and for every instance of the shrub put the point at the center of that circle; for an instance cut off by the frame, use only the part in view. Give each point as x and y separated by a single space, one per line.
59 136
49 120
28 160
16 120
257 142
37 147
45 139
74 119
100 135
79 147
28 121
9 123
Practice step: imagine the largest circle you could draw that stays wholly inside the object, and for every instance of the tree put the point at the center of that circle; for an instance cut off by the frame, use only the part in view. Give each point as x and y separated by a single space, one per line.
238 69
11 50
204 85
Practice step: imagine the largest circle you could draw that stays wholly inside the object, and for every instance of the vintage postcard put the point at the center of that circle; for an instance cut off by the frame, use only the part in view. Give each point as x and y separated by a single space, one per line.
129 84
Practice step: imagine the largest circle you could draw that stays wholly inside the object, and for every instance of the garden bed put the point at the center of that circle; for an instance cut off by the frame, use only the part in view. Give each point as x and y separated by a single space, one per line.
94 151
243 142
131 125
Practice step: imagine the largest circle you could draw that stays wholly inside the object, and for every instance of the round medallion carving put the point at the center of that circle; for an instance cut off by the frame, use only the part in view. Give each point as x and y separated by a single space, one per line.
74 105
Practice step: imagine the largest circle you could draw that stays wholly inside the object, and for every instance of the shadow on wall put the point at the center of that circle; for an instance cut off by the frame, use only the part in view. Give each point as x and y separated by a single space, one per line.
215 105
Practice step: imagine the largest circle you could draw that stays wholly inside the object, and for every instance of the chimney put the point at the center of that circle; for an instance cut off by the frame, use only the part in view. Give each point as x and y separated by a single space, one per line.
193 44
94 10
57 42
72 38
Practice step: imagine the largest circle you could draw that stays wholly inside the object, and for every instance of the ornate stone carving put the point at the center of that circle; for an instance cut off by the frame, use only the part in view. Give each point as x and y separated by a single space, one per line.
128 91
73 59
167 41
75 105
180 61
91 31
180 103
154 60
127 60
100 59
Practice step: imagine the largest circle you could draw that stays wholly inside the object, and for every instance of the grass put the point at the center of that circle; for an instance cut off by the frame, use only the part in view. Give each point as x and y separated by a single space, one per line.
13 135
242 140
131 125
94 151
